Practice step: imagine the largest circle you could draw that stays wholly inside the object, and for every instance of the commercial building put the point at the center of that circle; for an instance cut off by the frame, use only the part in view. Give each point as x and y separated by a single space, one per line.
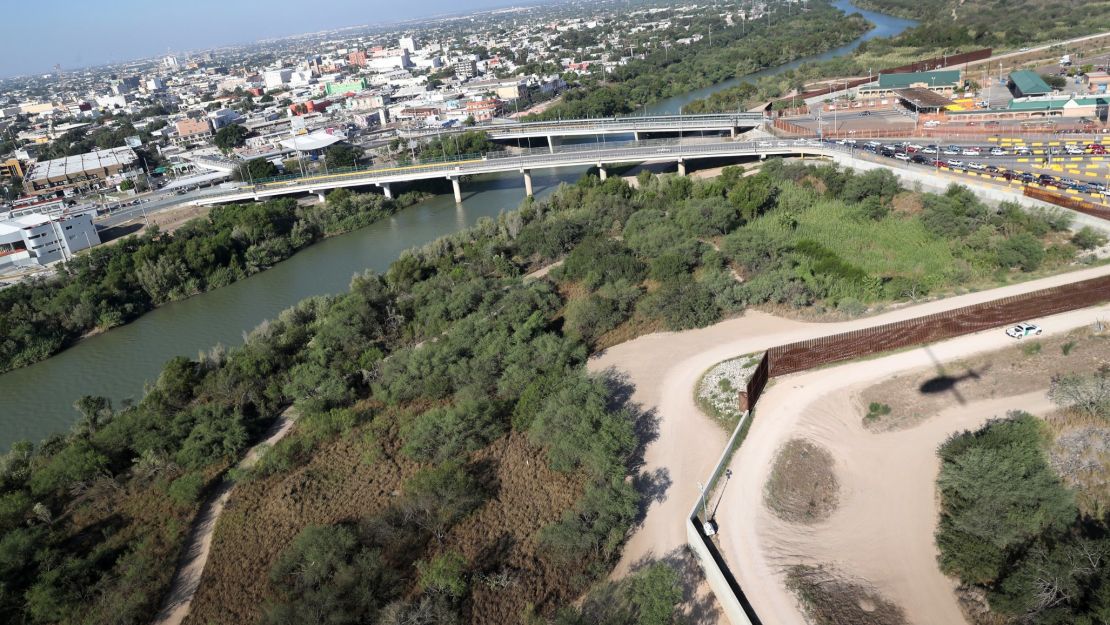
94 170
407 43
1024 84
352 86
192 131
10 169
465 68
276 78
942 82
38 239
1091 107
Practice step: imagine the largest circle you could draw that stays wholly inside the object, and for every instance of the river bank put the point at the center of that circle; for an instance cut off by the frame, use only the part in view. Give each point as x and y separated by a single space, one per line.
119 364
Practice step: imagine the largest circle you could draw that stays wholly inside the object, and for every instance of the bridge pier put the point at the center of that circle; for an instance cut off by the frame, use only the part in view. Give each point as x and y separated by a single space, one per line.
386 190
456 188
527 181
681 167
320 197
601 172
636 135
553 142
732 132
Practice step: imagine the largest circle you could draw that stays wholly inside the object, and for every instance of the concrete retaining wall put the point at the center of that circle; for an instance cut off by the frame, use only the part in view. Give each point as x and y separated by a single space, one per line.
724 586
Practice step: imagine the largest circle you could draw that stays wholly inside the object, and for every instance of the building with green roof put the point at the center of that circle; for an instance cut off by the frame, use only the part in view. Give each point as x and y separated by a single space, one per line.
947 80
1025 83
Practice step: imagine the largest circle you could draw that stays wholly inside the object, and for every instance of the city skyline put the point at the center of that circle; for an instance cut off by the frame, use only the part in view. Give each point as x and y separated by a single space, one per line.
78 38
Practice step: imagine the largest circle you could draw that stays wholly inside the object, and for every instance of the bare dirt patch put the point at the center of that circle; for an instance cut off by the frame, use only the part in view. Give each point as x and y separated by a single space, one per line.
1029 364
802 487
831 598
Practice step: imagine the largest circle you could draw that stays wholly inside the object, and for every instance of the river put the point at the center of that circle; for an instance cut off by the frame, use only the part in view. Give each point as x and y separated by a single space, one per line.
38 400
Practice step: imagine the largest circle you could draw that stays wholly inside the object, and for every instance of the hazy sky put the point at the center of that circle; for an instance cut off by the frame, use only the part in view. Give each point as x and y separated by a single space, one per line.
78 33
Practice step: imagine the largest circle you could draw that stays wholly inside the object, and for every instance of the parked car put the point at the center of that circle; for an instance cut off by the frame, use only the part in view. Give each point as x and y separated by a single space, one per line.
1023 330
972 151
952 150
954 164
998 152
902 156
976 166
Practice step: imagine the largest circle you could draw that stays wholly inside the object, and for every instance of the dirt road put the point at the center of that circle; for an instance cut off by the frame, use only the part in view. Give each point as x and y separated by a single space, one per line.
186 579
664 368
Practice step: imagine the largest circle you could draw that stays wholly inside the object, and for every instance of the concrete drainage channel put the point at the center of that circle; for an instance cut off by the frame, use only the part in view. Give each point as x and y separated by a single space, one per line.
810 354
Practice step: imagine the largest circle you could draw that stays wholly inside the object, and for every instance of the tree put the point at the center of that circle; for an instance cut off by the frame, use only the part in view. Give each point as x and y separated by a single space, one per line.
256 169
444 573
341 155
230 137
436 498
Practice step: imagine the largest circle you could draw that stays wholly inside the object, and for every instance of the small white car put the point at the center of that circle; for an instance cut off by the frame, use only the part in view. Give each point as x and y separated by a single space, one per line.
972 151
998 152
1023 330
955 163
952 150
976 166
902 156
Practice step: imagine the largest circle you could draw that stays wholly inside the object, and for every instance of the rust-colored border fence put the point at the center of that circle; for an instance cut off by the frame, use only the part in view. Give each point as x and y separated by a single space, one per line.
804 355
1069 201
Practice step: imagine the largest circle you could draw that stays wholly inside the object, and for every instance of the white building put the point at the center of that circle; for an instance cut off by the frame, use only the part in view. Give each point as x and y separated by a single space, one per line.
276 78
170 62
37 239
407 43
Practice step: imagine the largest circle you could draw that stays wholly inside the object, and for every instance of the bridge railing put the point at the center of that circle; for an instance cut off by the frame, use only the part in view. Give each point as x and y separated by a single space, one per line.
538 157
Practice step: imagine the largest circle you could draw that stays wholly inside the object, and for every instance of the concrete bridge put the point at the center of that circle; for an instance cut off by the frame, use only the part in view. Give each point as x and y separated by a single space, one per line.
595 154
553 131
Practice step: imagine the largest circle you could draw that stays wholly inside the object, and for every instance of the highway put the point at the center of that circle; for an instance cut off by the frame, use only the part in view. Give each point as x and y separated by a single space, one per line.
595 154
653 151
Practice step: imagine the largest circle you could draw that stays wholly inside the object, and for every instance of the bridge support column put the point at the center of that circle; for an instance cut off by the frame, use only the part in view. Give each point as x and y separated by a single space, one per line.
681 167
601 172
456 188
636 135
553 142
386 190
320 197
527 181
732 132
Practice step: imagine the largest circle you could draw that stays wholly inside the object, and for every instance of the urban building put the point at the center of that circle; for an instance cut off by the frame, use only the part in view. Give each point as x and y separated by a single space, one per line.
1024 84
85 172
276 78
466 67
352 86
407 43
38 239
192 131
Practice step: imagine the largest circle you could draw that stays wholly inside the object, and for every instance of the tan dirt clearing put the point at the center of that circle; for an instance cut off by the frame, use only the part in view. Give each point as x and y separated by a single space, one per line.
664 369
882 531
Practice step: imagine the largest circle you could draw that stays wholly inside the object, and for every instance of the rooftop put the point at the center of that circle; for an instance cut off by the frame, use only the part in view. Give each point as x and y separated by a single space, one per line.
75 165
1029 82
941 78
923 98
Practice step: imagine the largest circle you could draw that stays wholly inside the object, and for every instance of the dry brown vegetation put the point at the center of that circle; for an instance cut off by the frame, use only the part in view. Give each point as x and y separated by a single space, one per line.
802 487
362 474
830 598
1028 365
1080 455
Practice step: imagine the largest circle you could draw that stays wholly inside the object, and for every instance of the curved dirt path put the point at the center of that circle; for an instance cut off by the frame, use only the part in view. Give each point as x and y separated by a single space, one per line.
664 368
883 530
190 568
